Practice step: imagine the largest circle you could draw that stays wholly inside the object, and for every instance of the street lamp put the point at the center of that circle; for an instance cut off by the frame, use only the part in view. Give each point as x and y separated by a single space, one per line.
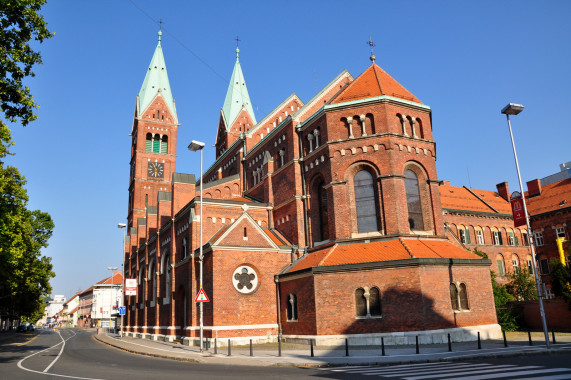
124 227
514 109
112 269
195 146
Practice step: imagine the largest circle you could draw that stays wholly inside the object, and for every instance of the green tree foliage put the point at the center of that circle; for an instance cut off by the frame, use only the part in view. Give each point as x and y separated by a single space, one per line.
24 272
522 285
560 279
19 23
502 299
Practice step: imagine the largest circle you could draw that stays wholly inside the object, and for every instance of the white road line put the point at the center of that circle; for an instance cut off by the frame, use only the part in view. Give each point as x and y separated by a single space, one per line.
58 355
390 370
487 371
519 373
51 374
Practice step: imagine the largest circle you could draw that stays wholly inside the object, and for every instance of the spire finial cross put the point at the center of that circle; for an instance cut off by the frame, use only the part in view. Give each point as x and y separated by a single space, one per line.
161 24
372 45
237 47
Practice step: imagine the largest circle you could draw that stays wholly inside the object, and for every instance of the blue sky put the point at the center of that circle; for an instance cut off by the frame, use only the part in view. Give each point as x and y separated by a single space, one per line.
464 59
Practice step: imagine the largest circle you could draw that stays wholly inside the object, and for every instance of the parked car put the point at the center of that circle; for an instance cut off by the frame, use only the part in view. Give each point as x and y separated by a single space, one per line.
22 328
31 327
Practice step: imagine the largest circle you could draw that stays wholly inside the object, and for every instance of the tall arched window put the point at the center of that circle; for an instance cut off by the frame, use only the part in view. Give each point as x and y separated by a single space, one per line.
365 202
454 297
360 303
323 214
413 202
149 143
184 248
156 144
292 307
464 297
375 308
164 144
153 279
142 285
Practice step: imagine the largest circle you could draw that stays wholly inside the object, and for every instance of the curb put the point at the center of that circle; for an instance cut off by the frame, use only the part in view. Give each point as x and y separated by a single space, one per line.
528 352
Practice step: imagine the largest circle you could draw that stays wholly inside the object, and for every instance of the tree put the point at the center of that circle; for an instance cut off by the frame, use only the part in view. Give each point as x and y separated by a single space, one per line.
522 285
502 300
560 280
24 272
19 23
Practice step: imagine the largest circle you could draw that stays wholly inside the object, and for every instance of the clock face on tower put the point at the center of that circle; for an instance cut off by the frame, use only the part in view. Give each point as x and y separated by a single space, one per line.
156 170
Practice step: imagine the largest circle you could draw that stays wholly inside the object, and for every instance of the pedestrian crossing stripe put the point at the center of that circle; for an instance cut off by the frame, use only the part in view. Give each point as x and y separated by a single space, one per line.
201 296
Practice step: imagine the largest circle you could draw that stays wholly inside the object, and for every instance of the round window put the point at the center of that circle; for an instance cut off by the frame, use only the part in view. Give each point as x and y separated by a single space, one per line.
245 279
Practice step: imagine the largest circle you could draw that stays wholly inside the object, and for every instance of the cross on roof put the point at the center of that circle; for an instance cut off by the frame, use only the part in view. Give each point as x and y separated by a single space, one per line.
237 41
372 45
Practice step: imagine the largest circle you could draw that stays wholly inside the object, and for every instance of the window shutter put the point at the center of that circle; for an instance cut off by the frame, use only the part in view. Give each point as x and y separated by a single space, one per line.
467 232
500 238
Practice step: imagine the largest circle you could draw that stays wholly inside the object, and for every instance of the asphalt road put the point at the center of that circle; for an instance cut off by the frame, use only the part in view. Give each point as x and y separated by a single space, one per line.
74 354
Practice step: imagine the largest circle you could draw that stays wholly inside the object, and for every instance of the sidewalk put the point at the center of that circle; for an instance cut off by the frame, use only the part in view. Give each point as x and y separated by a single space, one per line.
300 356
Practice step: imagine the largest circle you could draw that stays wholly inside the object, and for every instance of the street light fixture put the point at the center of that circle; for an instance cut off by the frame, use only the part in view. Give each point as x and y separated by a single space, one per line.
124 227
112 269
198 146
514 109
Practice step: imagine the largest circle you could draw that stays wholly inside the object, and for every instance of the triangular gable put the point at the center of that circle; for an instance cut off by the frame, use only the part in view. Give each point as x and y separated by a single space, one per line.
374 82
235 236
273 114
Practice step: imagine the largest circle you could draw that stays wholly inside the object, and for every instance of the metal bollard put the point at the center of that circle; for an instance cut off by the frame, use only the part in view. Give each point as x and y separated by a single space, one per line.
417 347
215 347
553 336
229 348
251 348
383 346
279 347
346 347
505 340
449 344
479 342
529 337
311 344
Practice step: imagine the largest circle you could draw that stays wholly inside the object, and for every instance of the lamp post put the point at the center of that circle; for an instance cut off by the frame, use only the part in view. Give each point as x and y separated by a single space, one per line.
514 109
112 269
124 227
195 146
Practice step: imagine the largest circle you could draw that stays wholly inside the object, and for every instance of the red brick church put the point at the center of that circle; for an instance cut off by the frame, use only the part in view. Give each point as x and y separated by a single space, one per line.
323 220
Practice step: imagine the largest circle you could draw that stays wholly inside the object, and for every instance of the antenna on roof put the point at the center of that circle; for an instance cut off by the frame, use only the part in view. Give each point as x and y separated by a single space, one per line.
372 45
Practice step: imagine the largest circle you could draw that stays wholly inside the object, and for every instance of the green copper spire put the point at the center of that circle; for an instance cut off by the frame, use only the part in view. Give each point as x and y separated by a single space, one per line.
237 95
156 80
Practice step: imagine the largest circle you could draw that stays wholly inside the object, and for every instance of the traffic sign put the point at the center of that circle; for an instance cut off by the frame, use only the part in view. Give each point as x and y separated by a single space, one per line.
122 310
131 287
201 296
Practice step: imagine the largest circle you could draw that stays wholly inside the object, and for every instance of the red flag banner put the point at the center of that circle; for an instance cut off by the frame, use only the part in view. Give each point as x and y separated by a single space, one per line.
517 211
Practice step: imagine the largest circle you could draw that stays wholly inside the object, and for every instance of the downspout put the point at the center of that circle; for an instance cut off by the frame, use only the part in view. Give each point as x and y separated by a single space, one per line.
279 308
304 190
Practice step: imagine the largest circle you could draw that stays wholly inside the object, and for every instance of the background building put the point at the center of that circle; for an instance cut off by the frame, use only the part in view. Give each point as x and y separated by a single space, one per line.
107 298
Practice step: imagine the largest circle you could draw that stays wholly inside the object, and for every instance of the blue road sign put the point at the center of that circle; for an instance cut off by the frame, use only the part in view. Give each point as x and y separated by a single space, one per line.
121 310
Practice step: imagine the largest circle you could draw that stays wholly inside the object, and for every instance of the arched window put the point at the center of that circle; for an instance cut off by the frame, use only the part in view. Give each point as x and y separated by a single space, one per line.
168 280
184 248
454 297
365 202
149 143
464 297
156 144
501 265
323 213
360 303
292 307
375 308
153 277
413 202
142 286
164 144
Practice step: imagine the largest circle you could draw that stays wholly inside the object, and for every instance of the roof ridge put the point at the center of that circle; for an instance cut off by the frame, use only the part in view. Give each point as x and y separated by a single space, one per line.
407 249
328 254
483 201
377 77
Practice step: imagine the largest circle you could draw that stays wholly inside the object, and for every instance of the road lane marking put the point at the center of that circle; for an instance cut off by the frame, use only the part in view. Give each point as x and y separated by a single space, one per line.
58 355
28 341
53 374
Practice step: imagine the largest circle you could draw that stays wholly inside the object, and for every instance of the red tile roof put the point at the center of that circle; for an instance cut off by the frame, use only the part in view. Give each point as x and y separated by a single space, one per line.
117 278
551 197
460 198
374 82
384 250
